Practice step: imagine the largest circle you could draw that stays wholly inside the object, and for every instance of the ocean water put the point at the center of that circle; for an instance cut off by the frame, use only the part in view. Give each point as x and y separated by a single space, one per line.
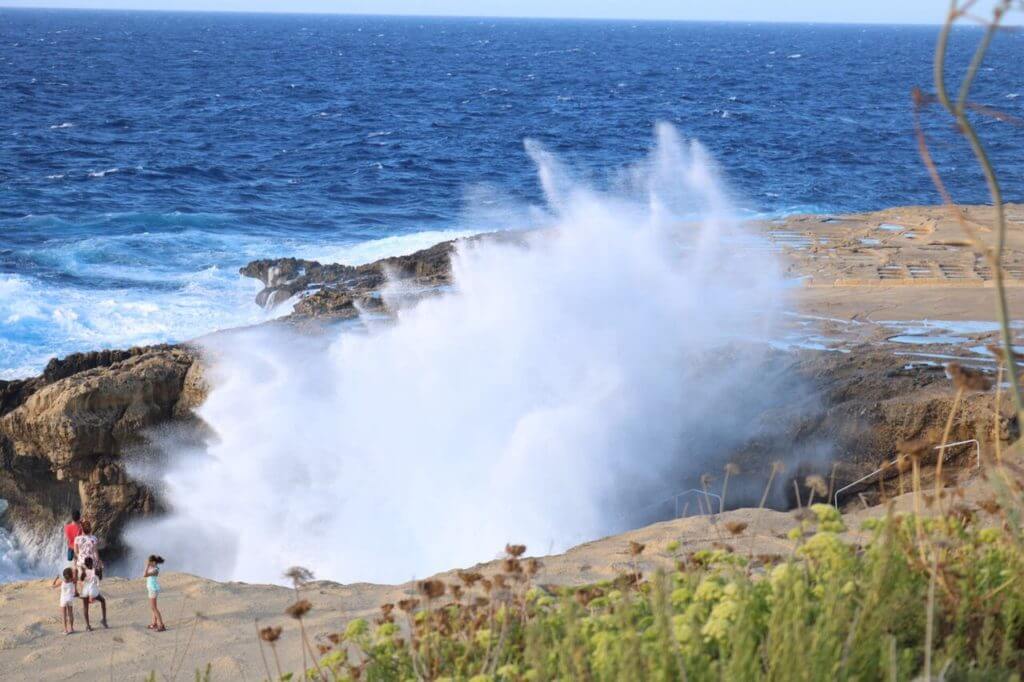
144 157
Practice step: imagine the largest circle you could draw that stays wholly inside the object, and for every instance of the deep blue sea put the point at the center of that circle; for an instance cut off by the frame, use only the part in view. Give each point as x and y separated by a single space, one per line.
145 156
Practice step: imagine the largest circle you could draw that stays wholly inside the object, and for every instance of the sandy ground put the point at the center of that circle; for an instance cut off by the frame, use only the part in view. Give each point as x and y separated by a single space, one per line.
210 622
215 623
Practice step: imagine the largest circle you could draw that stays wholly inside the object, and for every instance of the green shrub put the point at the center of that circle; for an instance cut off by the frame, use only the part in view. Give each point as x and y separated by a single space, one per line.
830 611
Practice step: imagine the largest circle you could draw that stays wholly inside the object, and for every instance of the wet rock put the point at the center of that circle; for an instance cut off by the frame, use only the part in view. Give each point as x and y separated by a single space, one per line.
336 290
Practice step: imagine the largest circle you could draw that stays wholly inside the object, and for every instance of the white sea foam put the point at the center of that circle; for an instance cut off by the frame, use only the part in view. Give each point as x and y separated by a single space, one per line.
23 557
104 173
558 387
375 249
39 321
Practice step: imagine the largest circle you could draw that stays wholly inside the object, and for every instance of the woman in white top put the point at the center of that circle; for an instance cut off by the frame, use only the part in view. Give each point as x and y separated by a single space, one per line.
87 546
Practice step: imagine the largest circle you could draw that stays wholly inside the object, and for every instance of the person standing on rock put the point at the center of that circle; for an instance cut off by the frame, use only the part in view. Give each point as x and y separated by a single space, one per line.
72 531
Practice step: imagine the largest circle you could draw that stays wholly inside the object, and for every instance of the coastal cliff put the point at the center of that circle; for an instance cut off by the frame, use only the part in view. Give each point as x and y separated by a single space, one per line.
68 435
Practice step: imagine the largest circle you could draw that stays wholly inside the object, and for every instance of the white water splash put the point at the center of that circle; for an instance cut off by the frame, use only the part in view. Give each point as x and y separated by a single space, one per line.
24 556
560 386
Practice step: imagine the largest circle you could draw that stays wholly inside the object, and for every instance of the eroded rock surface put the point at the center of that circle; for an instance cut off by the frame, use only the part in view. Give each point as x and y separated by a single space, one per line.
64 434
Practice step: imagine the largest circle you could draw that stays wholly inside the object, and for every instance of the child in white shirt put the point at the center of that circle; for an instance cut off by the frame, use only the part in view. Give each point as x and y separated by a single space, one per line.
68 592
91 591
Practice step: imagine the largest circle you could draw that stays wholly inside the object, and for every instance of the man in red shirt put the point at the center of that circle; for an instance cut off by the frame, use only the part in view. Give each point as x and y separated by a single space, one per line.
72 531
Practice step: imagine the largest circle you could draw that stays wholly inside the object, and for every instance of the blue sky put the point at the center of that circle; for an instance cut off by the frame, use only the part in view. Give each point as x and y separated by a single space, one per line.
867 11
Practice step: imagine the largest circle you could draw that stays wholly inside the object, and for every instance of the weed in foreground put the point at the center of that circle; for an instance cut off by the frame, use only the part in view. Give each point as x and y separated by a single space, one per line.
922 596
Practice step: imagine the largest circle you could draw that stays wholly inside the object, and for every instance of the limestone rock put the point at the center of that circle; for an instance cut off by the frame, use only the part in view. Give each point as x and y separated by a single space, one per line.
64 434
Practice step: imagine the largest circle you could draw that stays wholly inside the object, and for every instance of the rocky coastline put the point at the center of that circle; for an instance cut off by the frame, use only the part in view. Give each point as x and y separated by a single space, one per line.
67 435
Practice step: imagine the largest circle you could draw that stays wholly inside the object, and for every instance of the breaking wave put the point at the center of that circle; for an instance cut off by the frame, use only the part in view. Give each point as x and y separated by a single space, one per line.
560 385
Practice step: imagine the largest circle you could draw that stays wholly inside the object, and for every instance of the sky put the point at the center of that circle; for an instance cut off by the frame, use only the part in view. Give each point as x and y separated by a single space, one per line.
827 11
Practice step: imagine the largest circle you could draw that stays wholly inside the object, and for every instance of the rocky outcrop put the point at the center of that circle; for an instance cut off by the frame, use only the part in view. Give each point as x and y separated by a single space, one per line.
853 411
337 292
341 291
64 435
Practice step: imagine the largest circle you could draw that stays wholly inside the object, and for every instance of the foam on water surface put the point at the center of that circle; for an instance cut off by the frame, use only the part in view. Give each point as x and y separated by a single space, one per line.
169 285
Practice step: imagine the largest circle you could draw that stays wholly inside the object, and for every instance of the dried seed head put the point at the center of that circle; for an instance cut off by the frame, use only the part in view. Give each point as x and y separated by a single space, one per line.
515 550
387 608
533 567
817 484
636 548
431 589
299 609
778 466
967 379
706 480
456 591
990 505
469 578
299 575
1000 353
585 595
500 582
408 605
270 635
626 580
732 469
335 637
487 585
735 527
963 512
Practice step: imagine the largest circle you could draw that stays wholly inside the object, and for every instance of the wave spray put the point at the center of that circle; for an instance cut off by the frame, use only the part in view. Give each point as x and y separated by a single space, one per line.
561 385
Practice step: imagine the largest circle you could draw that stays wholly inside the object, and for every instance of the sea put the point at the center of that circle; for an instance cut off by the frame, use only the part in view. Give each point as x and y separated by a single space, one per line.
146 156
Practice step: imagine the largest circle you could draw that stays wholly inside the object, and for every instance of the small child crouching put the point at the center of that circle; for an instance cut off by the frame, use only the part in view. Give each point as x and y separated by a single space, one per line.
68 592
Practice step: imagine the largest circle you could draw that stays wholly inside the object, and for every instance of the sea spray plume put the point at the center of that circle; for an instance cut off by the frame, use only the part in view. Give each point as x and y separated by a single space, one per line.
570 377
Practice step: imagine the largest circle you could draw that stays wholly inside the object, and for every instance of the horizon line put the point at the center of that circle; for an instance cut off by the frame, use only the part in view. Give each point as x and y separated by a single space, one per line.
468 16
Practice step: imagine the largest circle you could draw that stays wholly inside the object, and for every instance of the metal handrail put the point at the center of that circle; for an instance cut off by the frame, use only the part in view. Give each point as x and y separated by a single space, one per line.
675 498
835 498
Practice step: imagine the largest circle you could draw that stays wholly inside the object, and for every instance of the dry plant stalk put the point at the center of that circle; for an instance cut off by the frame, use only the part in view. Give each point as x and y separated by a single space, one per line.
730 469
777 467
958 110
